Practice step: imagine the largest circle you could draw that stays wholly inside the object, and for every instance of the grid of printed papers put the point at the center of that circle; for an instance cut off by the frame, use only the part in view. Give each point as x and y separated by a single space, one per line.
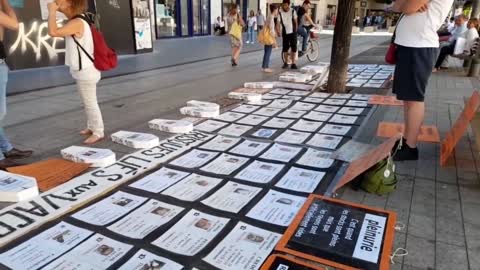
369 76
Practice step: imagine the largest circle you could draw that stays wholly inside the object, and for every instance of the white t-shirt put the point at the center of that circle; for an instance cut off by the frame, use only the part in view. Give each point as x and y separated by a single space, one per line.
252 21
471 36
419 30
286 18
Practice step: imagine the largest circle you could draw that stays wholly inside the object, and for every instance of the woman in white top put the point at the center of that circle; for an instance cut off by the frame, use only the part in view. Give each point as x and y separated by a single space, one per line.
417 48
82 68
252 25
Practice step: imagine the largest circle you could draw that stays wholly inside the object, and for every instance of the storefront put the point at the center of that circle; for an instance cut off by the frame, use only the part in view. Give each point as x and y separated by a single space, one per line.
245 6
182 18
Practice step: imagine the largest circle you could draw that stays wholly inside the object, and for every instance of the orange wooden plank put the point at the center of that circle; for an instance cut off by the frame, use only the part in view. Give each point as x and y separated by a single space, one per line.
385 100
390 129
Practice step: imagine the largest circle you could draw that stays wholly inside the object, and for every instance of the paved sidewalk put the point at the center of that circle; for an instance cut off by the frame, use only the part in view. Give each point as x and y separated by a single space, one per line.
439 206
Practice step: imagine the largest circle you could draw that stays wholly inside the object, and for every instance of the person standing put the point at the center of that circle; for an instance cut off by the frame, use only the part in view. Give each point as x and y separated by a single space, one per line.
270 24
219 26
236 42
260 20
77 33
417 47
8 154
288 19
252 24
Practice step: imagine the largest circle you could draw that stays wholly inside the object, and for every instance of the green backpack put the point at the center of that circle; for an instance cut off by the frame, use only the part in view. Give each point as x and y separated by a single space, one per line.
380 179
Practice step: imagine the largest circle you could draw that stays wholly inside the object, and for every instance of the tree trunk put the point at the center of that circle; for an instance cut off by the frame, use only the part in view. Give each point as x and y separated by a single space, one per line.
342 37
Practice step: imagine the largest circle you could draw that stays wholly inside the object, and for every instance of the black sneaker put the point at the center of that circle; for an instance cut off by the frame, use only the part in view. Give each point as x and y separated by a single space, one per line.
285 66
406 153
294 66
301 53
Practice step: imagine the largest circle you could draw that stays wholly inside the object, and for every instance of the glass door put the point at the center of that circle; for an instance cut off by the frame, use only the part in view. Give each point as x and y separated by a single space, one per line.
201 17
205 15
197 19
185 20
166 18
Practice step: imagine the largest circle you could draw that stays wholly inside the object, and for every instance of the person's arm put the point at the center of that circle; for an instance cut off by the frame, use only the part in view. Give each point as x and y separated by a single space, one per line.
73 27
409 7
8 18
309 19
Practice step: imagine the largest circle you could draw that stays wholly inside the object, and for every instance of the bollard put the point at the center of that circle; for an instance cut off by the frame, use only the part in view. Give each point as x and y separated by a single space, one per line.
474 68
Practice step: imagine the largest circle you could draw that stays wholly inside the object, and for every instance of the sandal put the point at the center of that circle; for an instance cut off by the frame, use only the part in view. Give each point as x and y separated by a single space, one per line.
93 139
86 132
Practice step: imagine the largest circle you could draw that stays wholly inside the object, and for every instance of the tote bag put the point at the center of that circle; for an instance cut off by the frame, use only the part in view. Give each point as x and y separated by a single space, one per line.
265 36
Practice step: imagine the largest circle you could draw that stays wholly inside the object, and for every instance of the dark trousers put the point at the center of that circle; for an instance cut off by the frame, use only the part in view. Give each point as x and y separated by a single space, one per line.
266 56
444 52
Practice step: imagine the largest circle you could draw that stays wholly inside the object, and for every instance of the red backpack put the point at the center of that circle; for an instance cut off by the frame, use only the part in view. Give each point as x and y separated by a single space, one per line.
104 58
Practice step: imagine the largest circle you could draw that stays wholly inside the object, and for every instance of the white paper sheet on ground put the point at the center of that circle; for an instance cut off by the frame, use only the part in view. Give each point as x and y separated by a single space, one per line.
291 114
210 125
204 112
16 188
335 129
280 91
293 137
230 116
109 209
343 119
313 100
335 102
281 153
225 164
260 172
194 159
295 77
259 85
267 111
314 69
302 106
98 252
172 126
232 197
357 103
350 84
316 159
368 73
44 247
262 103
252 120
319 95
278 123
306 126
250 148
341 96
361 97
235 130
192 233
204 104
220 143
376 81
247 97
325 141
246 108
192 188
264 133
373 85
289 85
245 248
363 77
277 208
318 116
293 98
135 140
387 67
96 157
381 77
299 93
146 219
280 103
351 111
308 77
160 180
144 260
269 96
301 180
327 108
358 81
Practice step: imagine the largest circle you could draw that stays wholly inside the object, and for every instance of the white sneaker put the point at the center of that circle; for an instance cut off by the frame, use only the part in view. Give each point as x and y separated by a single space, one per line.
248 42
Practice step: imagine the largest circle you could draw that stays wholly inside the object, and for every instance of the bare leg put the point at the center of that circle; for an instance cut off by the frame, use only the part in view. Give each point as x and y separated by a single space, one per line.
415 114
237 54
292 55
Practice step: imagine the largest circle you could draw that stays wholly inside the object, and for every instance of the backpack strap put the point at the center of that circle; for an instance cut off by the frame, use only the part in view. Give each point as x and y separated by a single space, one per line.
81 16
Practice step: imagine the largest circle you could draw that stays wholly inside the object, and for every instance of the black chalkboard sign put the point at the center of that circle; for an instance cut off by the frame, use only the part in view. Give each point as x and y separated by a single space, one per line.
282 262
344 234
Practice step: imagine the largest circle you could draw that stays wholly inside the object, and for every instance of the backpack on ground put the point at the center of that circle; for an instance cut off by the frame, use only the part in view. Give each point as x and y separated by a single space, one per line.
104 58
381 178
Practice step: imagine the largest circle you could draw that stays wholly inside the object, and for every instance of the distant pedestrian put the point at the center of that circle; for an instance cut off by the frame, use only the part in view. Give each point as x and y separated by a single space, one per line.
78 35
417 47
288 20
219 26
8 154
235 24
260 20
270 25
252 25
